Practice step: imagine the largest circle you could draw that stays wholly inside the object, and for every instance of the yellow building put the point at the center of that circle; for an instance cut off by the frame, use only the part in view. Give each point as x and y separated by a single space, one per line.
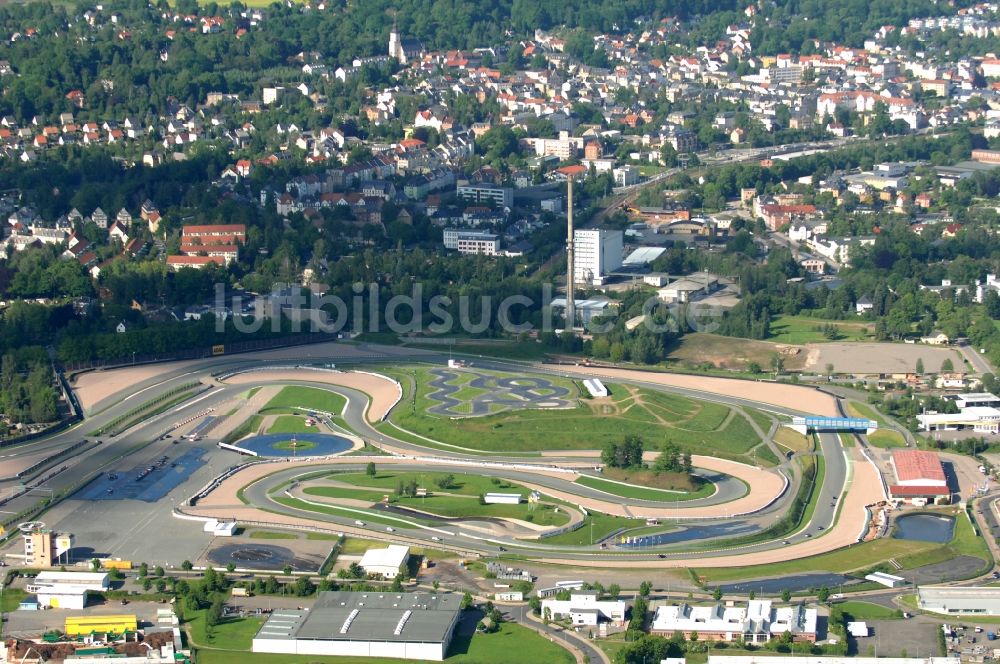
82 625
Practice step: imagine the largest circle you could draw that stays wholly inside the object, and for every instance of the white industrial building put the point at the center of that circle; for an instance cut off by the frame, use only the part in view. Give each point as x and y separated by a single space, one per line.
971 399
596 254
386 562
857 629
586 310
980 419
887 580
583 608
757 622
364 624
689 288
978 411
66 590
595 387
502 498
220 528
969 600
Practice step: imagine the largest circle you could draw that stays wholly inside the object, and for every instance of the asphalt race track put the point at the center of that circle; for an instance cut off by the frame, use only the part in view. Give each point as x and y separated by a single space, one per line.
87 509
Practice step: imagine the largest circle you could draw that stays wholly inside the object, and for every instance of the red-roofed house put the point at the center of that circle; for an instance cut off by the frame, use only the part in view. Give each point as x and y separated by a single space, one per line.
920 478
566 172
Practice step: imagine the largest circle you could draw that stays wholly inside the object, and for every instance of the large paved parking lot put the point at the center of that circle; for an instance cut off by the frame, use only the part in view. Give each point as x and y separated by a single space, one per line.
124 525
913 637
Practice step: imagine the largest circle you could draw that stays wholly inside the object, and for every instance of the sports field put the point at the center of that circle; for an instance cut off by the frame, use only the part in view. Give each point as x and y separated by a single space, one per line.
296 398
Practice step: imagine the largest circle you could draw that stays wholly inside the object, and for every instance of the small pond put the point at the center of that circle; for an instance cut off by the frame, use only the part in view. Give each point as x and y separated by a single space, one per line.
925 528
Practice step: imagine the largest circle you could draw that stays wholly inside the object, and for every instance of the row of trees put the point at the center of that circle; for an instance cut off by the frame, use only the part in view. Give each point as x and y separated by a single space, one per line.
671 459
626 454
27 392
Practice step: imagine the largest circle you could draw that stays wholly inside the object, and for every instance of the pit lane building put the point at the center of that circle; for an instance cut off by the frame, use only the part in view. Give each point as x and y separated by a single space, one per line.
364 624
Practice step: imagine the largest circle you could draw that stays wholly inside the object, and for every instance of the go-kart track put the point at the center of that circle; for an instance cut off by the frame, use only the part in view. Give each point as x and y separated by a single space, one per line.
497 393
291 487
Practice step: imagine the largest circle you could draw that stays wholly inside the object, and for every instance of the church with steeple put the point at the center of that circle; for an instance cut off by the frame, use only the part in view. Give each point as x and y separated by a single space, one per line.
402 50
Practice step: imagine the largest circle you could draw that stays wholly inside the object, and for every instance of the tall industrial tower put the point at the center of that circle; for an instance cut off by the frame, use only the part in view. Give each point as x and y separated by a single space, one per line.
570 277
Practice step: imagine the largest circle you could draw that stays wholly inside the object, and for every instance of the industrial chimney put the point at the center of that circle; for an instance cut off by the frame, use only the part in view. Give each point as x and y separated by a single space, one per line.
570 301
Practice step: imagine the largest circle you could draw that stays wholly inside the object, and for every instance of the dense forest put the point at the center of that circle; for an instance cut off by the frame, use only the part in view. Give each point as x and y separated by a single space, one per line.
847 22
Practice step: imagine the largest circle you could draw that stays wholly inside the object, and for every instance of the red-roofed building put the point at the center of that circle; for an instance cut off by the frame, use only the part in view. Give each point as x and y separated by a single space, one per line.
197 262
920 478
566 172
214 233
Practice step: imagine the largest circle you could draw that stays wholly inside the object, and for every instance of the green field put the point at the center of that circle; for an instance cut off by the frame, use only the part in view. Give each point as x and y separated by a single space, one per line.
271 534
290 424
762 419
764 456
885 438
11 599
793 440
460 500
531 648
694 426
644 493
856 409
230 634
307 398
908 553
859 610
859 556
802 330
457 506
463 484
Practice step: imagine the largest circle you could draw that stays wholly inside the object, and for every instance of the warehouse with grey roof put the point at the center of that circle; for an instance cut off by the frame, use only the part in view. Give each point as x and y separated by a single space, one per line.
365 624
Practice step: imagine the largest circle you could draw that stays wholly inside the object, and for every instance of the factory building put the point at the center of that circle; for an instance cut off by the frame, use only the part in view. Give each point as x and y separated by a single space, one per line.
66 590
596 254
365 624
386 562
585 609
965 601
977 411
